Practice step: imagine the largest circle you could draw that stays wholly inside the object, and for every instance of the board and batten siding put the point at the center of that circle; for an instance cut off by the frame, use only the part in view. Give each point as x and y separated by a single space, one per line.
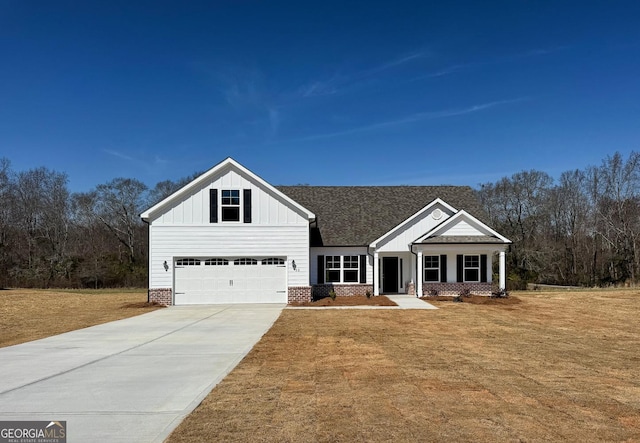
463 228
345 250
267 209
400 240
228 241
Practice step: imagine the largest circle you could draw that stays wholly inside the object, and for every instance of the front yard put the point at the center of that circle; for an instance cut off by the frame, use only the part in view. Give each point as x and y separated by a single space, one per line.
558 366
30 314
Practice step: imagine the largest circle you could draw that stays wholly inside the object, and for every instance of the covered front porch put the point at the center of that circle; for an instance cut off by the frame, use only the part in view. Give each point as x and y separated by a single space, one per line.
439 269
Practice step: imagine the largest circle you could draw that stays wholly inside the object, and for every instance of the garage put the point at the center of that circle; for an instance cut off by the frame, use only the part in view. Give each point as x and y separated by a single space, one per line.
222 280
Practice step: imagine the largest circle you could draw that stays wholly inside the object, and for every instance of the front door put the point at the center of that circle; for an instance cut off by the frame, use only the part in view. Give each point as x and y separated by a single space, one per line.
389 275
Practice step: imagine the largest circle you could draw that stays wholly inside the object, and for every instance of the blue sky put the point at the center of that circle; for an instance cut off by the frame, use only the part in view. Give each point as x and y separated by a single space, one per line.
344 93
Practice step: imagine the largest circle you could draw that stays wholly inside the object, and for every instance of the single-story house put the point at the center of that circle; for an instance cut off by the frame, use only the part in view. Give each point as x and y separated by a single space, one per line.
231 237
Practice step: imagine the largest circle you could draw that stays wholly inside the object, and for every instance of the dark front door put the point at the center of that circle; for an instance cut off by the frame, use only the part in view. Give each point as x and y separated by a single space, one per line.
389 275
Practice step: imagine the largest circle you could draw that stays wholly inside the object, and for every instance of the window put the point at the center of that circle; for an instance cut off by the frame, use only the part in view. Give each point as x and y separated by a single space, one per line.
216 262
350 271
342 269
188 262
332 269
432 268
230 205
272 261
472 268
245 261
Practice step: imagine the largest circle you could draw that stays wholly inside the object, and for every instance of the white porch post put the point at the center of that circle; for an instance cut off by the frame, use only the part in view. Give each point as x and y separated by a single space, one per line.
419 275
503 276
376 274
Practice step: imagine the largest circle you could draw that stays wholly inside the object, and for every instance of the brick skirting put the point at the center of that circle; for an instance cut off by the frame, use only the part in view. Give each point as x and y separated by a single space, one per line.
299 294
160 295
457 288
321 291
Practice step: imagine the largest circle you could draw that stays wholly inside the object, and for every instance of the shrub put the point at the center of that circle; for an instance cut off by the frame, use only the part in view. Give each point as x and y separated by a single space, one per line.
457 299
500 293
368 294
332 294
433 292
465 293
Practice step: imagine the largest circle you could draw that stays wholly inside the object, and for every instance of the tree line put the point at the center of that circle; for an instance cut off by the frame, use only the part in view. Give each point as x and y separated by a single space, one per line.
581 229
51 237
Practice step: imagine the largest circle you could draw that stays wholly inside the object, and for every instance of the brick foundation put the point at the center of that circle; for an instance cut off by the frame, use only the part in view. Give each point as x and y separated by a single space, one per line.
321 291
299 294
161 295
457 288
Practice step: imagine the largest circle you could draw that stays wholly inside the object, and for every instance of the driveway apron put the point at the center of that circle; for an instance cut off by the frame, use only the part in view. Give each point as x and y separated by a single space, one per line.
131 380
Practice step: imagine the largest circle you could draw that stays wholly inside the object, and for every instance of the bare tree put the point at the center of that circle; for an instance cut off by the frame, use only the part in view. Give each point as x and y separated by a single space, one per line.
118 204
41 212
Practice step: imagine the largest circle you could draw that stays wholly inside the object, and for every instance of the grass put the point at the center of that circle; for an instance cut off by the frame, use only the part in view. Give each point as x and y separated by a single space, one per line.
31 314
558 366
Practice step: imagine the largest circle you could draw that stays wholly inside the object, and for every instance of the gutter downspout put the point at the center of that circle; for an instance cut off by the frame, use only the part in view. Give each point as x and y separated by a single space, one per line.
149 258
373 262
415 286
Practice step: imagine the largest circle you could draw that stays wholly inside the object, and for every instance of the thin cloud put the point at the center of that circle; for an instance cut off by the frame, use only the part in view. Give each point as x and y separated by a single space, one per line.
397 62
453 69
343 83
421 116
118 154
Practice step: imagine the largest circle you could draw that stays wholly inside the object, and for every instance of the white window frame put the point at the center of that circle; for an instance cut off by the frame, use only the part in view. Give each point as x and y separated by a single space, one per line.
430 268
341 265
245 261
347 266
465 267
216 262
272 261
224 205
188 262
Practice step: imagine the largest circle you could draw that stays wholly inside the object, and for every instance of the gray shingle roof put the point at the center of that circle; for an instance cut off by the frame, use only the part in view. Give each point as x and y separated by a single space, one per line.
357 215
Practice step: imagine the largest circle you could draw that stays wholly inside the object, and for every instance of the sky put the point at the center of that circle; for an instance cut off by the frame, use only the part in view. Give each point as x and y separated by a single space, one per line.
322 93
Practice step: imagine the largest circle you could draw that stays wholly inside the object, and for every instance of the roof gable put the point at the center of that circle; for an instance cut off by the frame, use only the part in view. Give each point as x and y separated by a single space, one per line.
403 232
358 215
226 166
462 228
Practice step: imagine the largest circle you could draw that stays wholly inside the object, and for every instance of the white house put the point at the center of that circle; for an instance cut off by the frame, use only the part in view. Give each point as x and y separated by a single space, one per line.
231 237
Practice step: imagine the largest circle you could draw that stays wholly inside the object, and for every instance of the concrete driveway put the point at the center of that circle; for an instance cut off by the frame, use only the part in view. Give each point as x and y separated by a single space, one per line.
131 380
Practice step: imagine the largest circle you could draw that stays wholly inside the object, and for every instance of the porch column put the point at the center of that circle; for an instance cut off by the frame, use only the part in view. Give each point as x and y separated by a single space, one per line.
503 276
419 275
376 274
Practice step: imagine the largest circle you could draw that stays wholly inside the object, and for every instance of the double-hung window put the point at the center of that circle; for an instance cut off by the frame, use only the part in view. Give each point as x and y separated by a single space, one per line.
230 205
350 266
472 268
432 268
332 269
342 268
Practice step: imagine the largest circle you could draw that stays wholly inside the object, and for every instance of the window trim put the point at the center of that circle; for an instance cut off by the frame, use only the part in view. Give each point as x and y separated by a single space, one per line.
330 265
272 261
431 268
223 205
465 267
216 262
188 261
245 261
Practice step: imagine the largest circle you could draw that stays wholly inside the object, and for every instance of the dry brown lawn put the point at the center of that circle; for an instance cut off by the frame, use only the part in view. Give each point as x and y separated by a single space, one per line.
558 366
30 314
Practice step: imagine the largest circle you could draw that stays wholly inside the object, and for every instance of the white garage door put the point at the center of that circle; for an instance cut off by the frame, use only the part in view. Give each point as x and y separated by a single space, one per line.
224 280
